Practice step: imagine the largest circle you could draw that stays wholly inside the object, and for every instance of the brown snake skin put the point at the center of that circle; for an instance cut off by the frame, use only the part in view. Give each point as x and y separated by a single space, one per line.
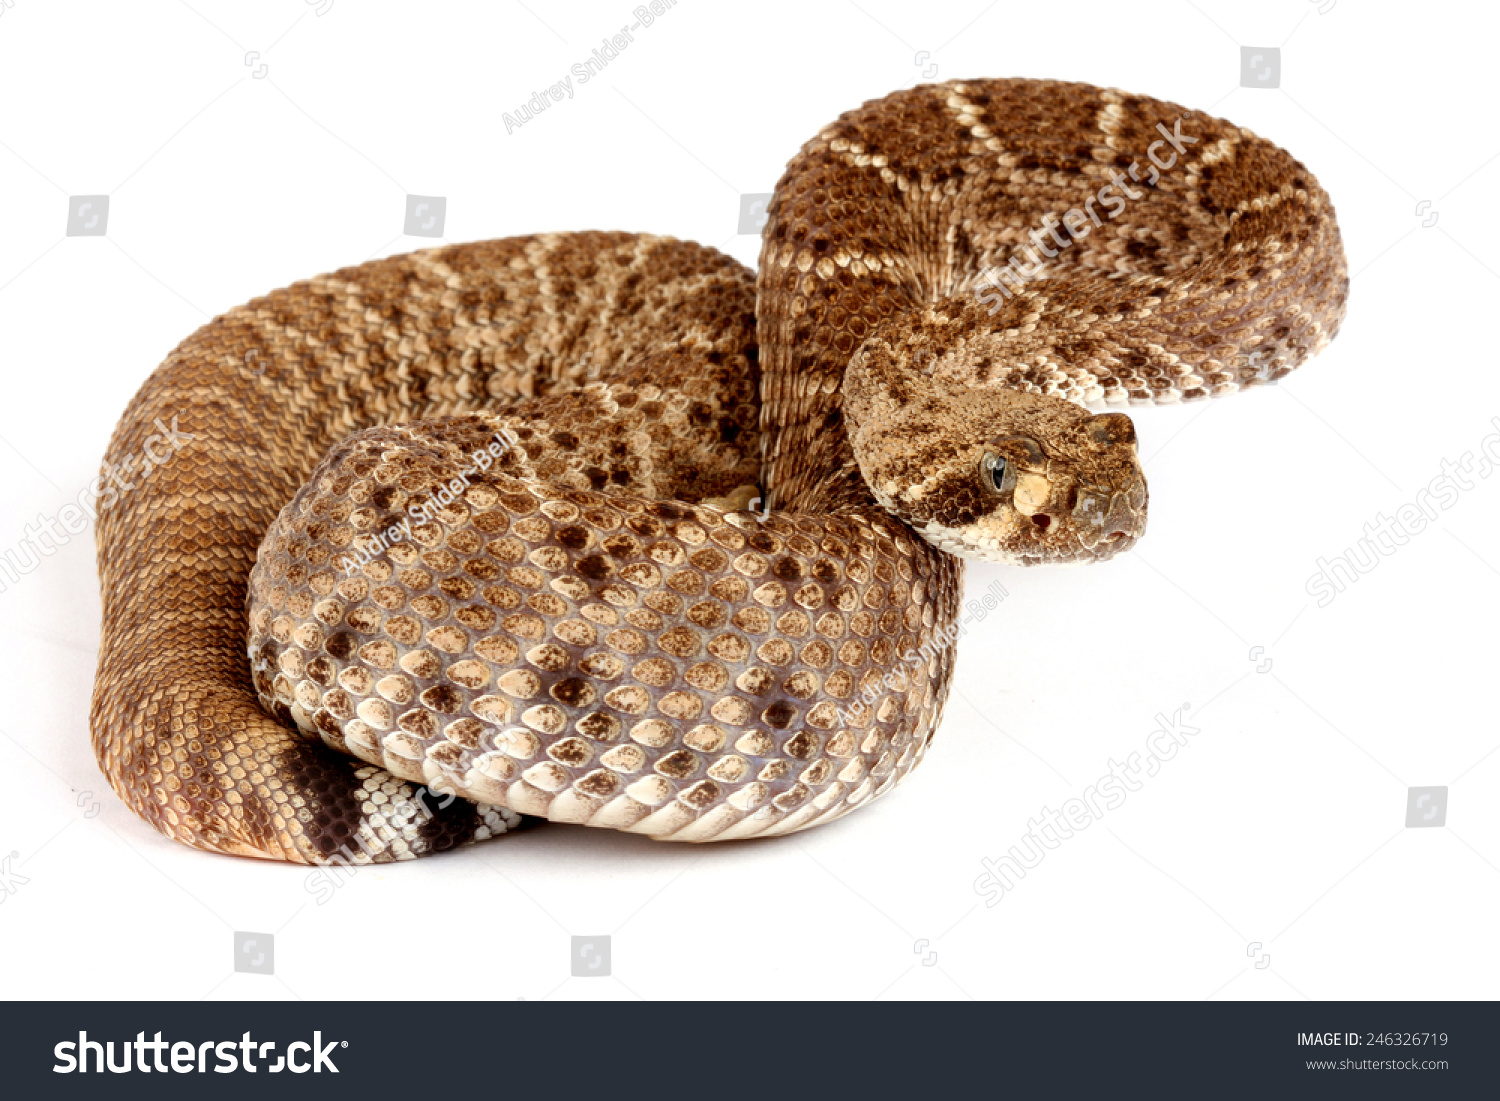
544 598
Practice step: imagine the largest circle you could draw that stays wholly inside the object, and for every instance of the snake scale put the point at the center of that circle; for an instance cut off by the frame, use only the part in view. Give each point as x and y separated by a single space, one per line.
471 521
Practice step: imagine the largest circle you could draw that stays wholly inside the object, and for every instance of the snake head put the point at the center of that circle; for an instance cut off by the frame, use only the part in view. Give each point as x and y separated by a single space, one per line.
1004 476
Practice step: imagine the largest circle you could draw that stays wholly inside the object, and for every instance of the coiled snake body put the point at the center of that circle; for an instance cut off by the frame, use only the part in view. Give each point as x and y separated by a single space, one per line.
478 510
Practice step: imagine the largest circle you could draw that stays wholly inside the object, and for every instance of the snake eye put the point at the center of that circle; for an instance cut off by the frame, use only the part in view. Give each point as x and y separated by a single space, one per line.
996 473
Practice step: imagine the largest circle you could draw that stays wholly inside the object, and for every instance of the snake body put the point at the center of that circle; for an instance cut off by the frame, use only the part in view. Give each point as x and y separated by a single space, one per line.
476 513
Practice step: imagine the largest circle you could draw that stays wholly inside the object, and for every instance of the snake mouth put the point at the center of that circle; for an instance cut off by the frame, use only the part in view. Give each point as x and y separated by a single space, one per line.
1080 554
1038 546
1117 541
1077 548
1083 552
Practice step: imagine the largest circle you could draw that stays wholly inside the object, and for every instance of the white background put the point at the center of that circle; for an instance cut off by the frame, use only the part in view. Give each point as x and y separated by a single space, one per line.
1279 831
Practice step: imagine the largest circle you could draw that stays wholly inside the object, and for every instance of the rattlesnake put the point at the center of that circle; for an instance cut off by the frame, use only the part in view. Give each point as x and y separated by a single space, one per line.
546 594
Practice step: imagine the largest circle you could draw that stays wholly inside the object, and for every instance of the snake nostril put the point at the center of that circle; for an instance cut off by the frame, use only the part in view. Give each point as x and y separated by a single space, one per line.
1041 520
1072 498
